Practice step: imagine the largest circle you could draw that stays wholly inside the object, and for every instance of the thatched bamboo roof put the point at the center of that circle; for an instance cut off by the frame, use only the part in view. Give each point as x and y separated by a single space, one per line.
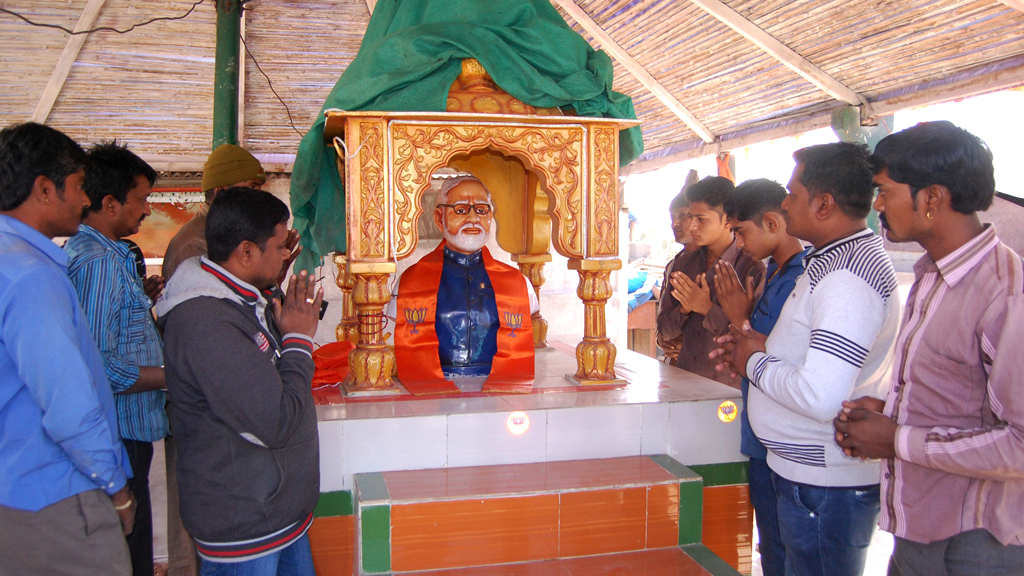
153 87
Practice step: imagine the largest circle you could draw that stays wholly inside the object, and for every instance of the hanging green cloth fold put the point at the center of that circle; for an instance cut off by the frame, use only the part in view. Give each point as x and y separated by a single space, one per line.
411 54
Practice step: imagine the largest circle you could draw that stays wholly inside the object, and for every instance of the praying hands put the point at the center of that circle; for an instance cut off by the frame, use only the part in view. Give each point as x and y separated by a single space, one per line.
736 348
692 296
734 300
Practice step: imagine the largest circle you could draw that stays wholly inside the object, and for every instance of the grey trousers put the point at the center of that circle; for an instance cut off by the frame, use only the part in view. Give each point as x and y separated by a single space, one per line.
971 553
80 535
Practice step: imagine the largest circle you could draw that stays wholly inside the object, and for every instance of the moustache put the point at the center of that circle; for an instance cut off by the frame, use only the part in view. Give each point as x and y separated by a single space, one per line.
882 219
470 226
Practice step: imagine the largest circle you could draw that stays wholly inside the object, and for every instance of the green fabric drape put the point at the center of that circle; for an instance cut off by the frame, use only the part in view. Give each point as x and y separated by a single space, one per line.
411 54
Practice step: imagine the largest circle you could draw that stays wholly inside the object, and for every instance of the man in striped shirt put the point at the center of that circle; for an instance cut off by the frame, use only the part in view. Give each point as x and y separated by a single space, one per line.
103 271
951 429
832 342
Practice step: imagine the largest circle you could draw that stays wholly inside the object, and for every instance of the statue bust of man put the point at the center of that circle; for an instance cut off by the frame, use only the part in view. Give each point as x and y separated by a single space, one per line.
458 312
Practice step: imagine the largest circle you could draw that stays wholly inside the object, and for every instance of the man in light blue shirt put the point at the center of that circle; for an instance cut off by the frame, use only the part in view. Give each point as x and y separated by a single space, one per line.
63 472
105 276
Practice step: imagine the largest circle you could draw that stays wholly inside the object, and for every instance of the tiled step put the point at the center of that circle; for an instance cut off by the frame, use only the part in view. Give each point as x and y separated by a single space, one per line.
675 561
489 515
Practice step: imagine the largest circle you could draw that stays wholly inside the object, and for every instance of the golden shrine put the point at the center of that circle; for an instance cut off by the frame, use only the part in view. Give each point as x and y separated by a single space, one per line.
554 181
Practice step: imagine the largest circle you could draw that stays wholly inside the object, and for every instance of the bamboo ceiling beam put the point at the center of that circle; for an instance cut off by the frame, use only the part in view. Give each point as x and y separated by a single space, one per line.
634 67
67 58
781 52
370 4
1018 4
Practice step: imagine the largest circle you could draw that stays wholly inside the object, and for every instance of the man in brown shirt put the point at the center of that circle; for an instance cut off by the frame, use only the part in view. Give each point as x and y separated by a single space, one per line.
228 166
689 312
951 429
679 211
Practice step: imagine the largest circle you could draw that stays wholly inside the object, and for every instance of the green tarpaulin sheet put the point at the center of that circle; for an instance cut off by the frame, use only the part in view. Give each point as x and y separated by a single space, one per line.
411 54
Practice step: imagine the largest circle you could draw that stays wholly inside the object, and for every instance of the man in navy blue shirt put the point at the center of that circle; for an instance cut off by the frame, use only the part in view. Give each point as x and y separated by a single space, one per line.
65 505
755 211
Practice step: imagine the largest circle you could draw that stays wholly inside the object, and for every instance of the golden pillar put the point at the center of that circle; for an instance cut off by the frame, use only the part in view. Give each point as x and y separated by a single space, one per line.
348 328
372 363
595 355
532 266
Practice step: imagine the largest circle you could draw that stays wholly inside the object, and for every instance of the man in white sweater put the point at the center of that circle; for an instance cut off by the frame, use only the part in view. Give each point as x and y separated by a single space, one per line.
833 342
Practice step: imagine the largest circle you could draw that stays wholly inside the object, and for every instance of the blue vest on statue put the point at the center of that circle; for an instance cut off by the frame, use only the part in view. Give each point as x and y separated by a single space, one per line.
466 319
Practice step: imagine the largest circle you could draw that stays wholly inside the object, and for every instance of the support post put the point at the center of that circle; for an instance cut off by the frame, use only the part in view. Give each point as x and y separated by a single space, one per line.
595 355
532 266
847 126
372 363
348 328
226 72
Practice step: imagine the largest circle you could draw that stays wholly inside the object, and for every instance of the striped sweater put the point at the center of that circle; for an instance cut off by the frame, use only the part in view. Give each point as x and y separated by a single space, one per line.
833 342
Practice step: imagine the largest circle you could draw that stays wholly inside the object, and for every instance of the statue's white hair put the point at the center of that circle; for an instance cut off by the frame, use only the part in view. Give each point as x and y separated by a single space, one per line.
448 184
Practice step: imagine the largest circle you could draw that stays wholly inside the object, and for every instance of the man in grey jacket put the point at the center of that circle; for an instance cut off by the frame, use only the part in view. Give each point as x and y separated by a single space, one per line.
239 367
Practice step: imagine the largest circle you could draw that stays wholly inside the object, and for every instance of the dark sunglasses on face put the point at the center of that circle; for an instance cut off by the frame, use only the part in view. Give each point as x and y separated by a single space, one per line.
463 209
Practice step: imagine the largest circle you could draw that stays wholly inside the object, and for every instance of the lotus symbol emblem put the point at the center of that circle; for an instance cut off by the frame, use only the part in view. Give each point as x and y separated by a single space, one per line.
415 316
513 321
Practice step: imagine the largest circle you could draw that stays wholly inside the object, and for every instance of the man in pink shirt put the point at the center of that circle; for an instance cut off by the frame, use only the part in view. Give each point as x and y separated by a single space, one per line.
951 429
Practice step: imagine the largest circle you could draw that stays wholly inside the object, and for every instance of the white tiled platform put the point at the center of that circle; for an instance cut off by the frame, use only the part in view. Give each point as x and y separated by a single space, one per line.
661 410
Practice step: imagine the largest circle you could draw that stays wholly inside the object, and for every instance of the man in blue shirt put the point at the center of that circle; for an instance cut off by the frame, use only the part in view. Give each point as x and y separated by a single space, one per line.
755 212
63 472
105 276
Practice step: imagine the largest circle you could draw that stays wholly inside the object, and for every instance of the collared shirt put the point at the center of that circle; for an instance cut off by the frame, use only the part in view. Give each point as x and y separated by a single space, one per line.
766 312
957 393
58 426
104 274
247 293
696 332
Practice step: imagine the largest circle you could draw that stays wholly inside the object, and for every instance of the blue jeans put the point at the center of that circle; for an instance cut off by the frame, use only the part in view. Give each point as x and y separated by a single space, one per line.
826 531
762 497
295 560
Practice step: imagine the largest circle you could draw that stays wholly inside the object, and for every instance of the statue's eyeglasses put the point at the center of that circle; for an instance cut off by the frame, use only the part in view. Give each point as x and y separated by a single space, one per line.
463 209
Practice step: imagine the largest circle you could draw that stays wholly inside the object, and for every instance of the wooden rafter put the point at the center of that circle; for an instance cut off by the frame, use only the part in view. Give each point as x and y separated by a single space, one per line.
1017 4
634 67
370 4
67 58
781 52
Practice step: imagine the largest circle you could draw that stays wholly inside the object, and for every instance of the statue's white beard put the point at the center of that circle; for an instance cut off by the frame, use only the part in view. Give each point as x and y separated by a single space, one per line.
467 242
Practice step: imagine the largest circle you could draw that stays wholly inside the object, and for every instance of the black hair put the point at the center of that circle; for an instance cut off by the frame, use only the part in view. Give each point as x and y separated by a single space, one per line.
111 170
841 169
31 150
753 199
940 153
240 214
711 190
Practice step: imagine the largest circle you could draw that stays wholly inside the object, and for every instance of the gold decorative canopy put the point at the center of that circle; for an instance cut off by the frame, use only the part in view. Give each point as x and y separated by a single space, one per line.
554 180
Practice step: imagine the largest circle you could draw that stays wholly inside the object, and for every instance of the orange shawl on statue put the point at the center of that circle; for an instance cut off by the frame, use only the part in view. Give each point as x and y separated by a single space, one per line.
416 345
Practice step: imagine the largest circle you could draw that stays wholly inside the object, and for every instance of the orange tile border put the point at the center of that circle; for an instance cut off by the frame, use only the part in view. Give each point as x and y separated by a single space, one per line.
662 562
477 532
602 522
729 524
483 481
332 540
662 516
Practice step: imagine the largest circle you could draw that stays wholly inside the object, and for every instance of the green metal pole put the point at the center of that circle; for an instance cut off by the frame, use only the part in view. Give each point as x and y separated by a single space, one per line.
846 125
225 76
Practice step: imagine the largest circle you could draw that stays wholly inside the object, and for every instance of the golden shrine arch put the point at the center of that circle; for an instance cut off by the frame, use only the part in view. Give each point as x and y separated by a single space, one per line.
554 182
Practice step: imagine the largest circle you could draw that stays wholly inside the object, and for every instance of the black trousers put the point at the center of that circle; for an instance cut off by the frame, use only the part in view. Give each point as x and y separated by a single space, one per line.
140 541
